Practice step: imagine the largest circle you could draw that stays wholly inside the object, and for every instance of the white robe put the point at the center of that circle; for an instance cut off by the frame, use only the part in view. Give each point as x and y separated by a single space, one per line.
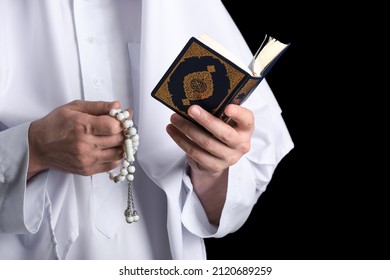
56 51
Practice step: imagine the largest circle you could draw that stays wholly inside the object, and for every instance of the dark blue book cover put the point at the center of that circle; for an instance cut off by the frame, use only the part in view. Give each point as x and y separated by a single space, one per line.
200 75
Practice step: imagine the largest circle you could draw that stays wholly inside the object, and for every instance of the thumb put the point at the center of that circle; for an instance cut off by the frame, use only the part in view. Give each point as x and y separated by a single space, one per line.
95 108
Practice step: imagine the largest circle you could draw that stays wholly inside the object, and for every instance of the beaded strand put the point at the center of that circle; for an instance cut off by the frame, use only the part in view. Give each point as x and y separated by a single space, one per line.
127 168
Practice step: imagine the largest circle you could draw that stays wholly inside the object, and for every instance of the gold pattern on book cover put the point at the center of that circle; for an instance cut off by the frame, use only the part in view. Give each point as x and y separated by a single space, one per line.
197 86
244 91
193 87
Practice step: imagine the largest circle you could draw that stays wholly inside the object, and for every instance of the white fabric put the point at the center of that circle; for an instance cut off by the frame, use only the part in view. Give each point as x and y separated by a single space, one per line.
56 51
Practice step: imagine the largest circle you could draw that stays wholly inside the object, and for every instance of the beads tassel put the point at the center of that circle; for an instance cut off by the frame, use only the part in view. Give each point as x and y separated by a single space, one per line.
127 168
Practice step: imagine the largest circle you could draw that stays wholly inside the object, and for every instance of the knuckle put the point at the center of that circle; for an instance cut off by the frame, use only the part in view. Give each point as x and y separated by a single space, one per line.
74 103
208 144
79 150
110 129
226 136
80 127
85 172
192 152
245 147
206 120
233 159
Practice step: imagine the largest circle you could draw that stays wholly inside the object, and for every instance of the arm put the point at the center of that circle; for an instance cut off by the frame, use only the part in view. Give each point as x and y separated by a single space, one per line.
78 138
247 178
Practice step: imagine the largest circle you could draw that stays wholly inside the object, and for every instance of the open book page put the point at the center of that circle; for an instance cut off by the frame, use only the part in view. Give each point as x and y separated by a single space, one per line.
269 49
207 40
267 52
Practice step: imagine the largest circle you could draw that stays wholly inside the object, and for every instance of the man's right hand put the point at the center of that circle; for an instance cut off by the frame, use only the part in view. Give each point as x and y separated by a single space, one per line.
79 137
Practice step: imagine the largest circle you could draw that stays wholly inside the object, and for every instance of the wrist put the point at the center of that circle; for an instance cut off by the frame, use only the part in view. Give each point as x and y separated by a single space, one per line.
35 164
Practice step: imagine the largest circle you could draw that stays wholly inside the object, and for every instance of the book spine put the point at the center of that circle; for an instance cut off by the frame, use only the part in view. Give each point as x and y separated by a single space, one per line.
241 95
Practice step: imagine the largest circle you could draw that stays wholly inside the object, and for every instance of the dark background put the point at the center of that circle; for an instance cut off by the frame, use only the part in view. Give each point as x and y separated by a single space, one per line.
328 198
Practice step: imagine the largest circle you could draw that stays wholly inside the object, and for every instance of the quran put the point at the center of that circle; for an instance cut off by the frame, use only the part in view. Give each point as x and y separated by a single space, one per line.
207 74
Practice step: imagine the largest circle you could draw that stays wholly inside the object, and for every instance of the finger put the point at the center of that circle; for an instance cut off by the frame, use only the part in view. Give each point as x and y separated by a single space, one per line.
222 131
89 163
199 136
105 125
109 155
95 108
105 167
97 168
107 142
208 161
108 125
85 124
242 117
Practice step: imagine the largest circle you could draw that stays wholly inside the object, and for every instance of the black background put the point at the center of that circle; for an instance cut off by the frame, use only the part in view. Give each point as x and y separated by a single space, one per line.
328 198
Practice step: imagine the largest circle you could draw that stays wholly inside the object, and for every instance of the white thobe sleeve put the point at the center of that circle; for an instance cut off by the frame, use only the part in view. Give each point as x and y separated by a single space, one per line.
249 177
21 204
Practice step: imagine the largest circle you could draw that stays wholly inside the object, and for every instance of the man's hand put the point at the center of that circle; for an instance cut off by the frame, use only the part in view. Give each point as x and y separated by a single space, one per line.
218 145
79 137
212 150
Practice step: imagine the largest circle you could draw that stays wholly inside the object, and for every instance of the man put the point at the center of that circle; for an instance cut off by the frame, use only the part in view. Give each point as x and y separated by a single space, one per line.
63 66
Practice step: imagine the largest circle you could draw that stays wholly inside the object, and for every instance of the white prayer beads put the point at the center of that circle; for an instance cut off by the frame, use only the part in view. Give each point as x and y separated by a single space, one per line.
127 168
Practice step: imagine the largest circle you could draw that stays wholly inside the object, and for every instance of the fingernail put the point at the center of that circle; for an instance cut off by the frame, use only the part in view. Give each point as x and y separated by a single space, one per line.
194 111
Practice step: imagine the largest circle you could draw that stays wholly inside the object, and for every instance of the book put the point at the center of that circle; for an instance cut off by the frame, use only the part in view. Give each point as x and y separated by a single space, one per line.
207 74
